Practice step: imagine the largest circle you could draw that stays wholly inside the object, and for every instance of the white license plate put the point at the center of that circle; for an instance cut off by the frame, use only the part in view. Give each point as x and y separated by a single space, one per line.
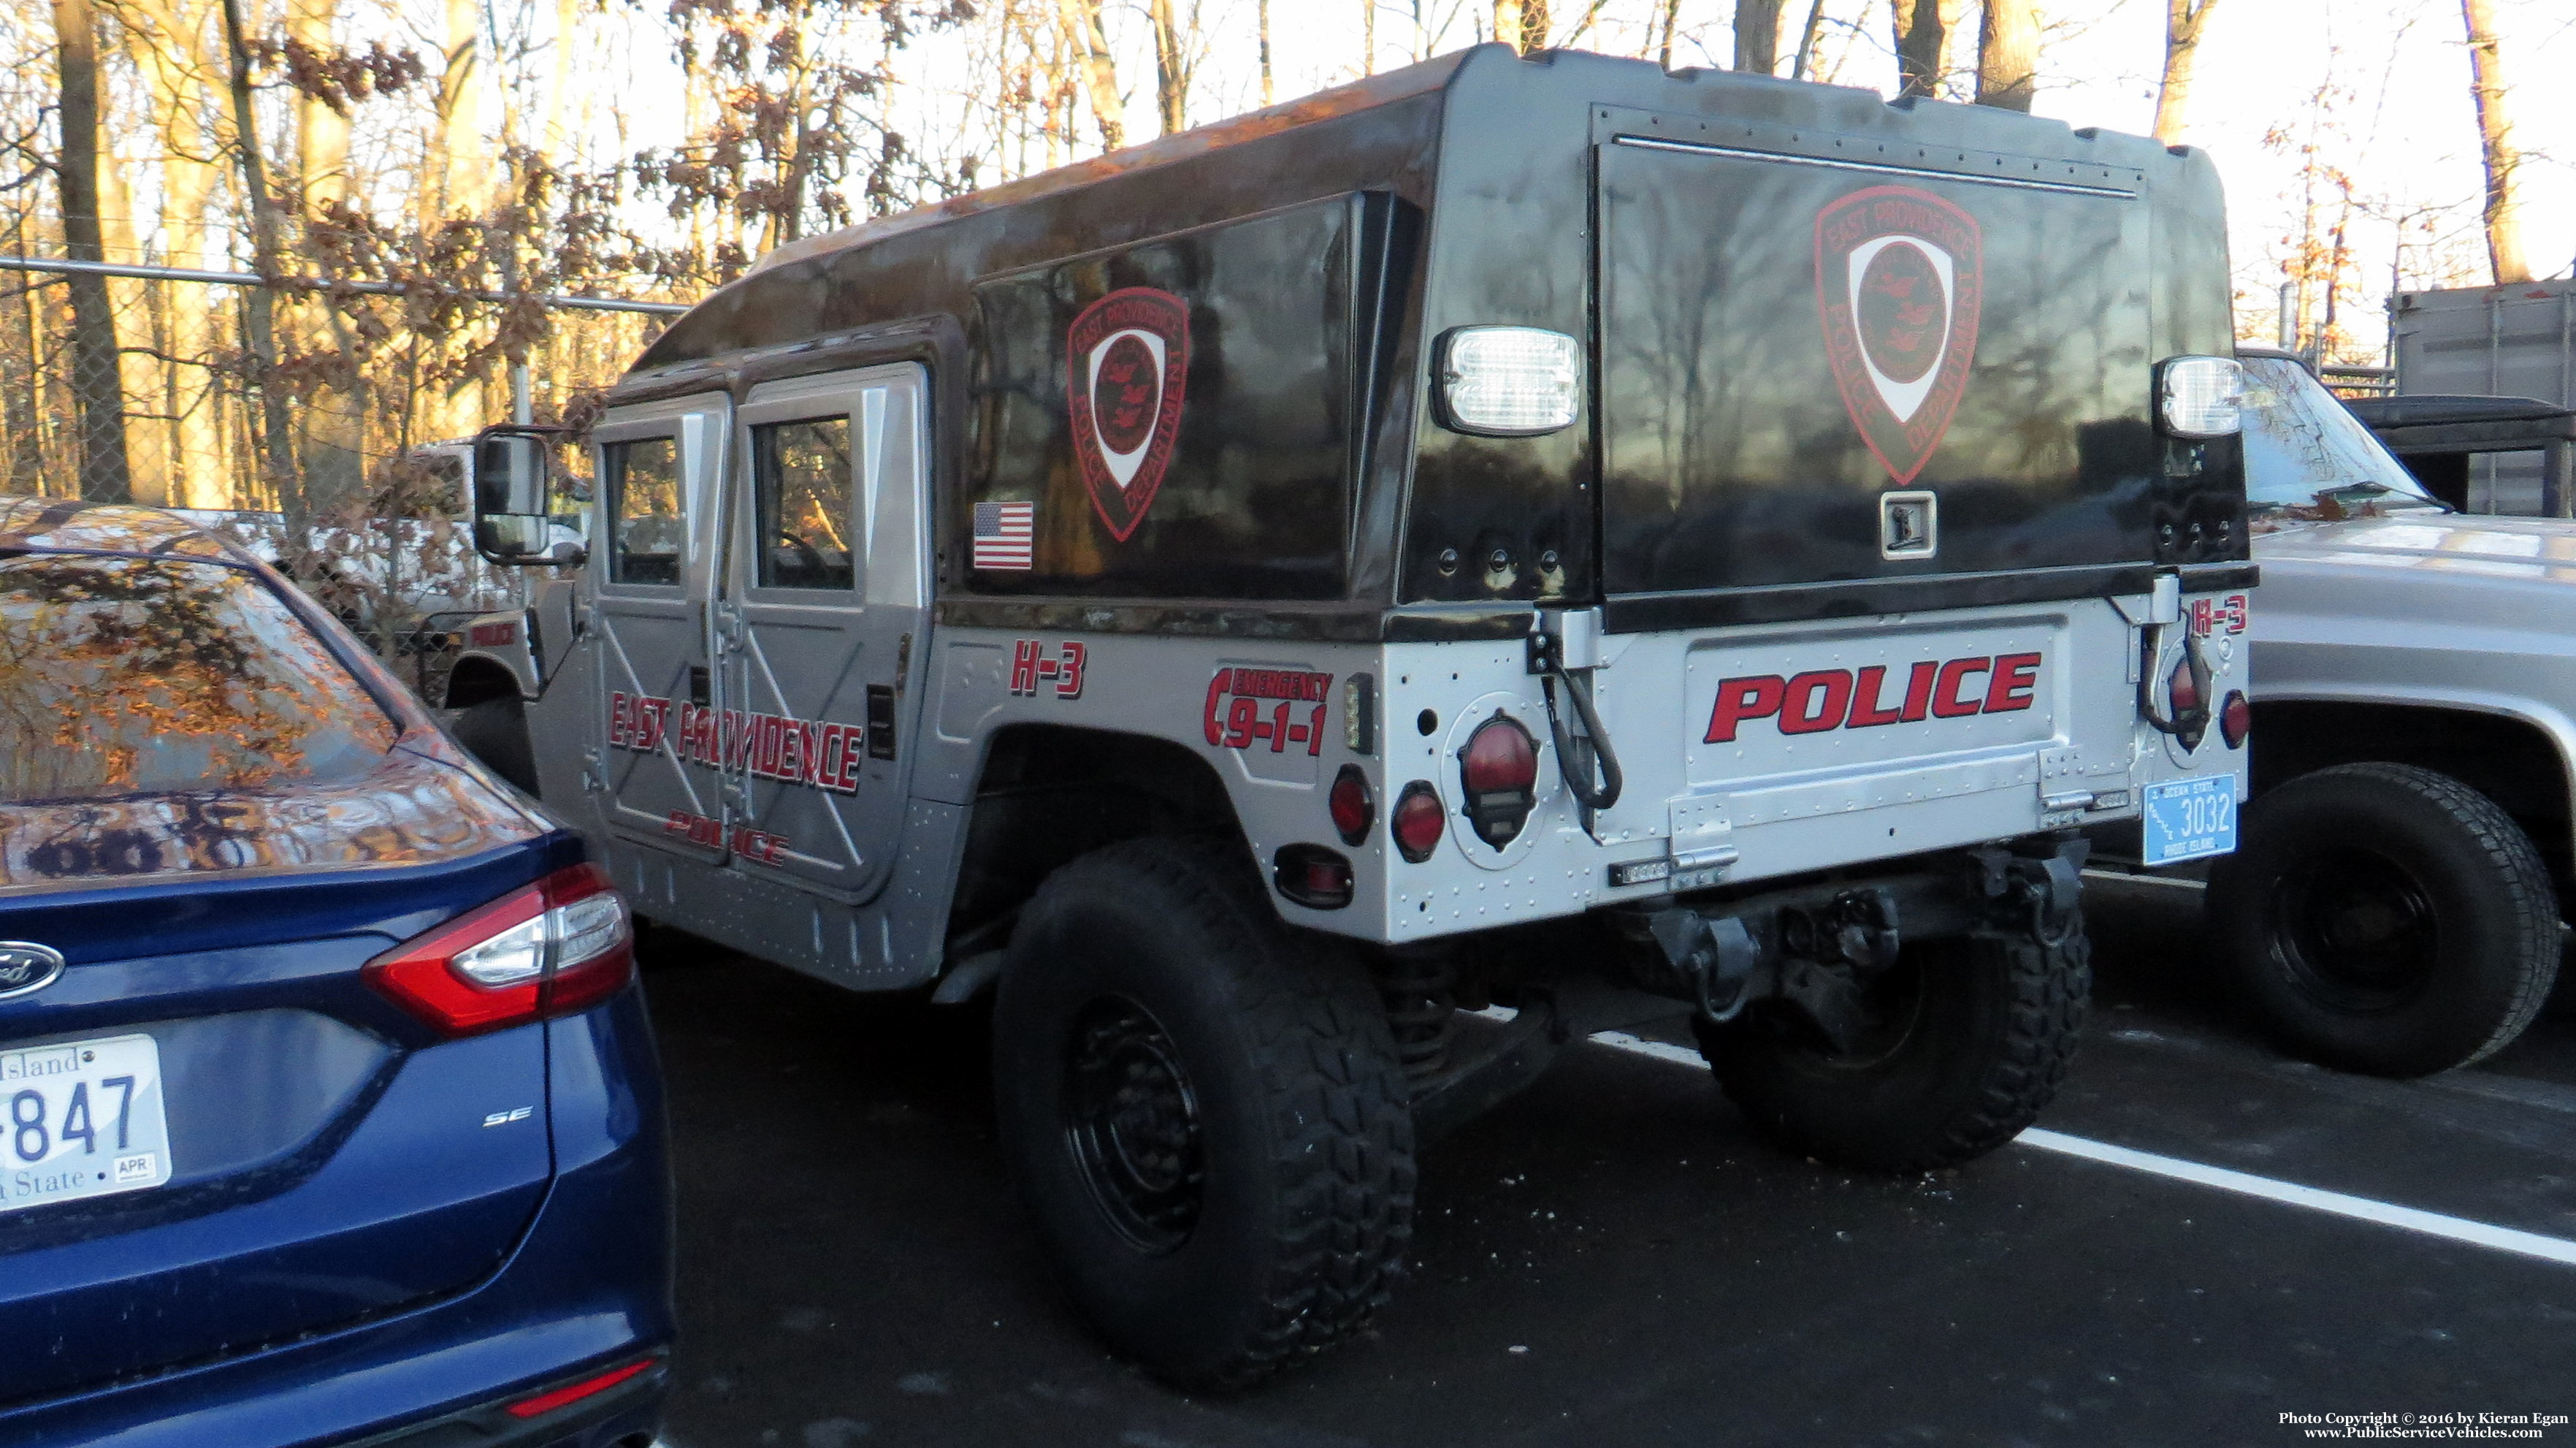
2190 819
81 1119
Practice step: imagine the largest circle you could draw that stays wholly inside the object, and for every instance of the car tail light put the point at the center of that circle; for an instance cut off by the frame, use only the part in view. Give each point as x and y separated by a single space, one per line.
573 1392
1315 877
2182 689
547 949
1353 810
1418 821
2235 719
1500 769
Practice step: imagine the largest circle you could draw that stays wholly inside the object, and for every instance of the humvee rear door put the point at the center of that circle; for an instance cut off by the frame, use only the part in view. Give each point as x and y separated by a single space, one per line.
655 730
825 592
1829 360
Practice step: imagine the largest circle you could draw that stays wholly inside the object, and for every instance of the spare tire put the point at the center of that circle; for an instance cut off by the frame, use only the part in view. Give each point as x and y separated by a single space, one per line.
2386 918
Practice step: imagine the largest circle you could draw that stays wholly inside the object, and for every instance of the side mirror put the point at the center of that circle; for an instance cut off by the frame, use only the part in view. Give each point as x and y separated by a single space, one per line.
513 476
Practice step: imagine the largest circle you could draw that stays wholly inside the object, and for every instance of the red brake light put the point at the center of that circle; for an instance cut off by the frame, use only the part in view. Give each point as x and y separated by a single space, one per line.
1353 810
547 949
1499 767
2235 719
2182 689
1500 758
1418 821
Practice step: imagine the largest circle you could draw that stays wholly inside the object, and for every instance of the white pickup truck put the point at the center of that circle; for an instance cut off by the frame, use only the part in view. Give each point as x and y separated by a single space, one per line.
2394 904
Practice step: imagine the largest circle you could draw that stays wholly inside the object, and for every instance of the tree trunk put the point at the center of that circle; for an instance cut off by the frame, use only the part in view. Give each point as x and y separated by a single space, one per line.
96 386
1757 35
463 171
1268 97
166 39
1171 68
2008 55
1671 19
259 308
1368 37
2495 136
1089 40
1507 22
2183 22
1804 66
1923 29
321 133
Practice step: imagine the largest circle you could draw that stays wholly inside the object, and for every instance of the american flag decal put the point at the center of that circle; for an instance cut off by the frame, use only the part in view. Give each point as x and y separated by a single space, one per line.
1005 535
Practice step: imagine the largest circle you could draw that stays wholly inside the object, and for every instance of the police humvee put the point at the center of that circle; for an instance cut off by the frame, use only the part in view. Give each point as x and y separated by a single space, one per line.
1541 531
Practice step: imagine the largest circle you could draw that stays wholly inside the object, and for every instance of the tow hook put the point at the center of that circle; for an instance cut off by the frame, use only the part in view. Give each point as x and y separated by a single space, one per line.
2040 895
1565 641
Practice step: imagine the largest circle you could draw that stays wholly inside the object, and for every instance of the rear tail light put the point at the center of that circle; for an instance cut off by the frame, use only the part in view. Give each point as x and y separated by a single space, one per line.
547 949
2182 689
1418 821
1500 769
1353 810
1315 877
2235 719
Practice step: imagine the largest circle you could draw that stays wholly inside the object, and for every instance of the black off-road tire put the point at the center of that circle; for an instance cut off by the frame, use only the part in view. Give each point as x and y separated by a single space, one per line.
1970 1038
2386 918
496 732
1158 964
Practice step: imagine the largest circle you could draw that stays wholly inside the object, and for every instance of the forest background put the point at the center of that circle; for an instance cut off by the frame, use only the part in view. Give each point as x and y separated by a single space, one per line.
462 160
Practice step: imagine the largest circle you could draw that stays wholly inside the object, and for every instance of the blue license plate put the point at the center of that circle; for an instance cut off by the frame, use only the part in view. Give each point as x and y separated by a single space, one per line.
2191 819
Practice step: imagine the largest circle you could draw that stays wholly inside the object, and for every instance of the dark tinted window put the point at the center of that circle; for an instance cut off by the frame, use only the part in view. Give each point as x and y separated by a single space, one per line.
1212 457
801 481
154 675
646 523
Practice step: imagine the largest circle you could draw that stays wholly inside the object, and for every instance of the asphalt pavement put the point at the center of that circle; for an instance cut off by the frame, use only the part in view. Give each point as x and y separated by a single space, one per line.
1614 1258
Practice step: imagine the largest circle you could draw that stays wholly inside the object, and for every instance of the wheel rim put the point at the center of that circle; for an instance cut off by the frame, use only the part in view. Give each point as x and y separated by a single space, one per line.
2356 931
1132 1121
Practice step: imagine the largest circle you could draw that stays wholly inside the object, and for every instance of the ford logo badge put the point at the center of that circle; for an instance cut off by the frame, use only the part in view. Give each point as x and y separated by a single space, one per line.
26 967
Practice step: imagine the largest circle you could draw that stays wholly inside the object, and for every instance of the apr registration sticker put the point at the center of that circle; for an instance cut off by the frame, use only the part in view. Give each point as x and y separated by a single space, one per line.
2191 819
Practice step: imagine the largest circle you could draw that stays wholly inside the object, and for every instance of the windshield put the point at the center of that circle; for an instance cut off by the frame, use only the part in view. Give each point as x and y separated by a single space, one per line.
122 675
2306 453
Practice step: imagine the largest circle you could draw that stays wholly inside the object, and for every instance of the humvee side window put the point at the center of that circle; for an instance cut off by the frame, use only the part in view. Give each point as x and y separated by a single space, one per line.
801 485
643 482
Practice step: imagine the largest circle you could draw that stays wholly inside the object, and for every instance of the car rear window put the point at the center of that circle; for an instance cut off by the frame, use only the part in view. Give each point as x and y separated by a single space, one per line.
126 675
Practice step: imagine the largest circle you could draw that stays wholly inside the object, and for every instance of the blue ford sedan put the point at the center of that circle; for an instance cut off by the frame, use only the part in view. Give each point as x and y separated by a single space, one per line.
328 1108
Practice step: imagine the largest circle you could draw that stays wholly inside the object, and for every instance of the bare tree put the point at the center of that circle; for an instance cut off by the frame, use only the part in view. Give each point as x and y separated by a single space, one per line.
1757 35
96 381
1508 22
2495 137
2008 54
1087 37
2184 20
1668 22
1923 30
1803 67
259 318
1268 96
1175 36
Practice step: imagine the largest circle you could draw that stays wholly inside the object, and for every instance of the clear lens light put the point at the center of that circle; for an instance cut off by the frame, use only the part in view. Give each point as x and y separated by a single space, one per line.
513 957
1511 381
2204 396
588 928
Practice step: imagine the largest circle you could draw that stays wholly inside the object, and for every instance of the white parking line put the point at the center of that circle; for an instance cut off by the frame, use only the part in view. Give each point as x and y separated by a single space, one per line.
2435 1224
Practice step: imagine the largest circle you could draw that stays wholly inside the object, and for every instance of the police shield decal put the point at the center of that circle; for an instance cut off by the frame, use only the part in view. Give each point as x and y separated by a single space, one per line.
1899 279
1127 365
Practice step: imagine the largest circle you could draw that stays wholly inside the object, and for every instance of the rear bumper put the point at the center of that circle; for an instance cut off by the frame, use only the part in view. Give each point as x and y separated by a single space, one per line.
588 1288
